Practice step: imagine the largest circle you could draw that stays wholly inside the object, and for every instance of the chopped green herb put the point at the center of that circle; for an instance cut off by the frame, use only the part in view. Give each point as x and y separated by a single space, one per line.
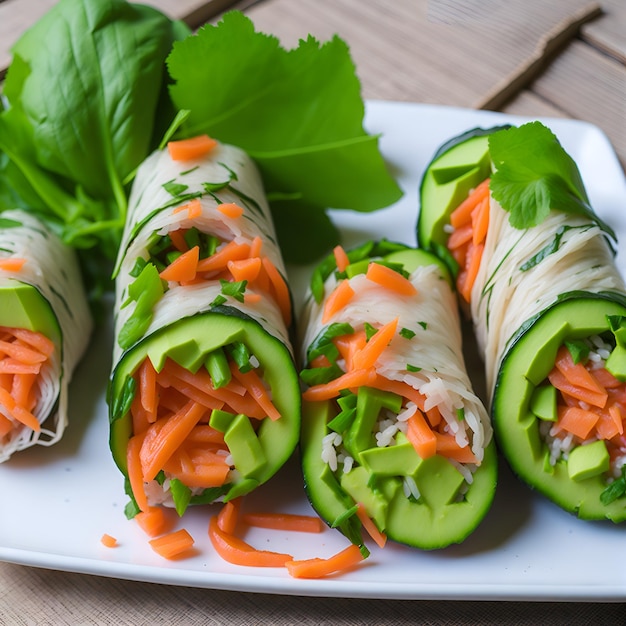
413 368
407 333
174 188
370 330
424 325
235 289
218 300
181 494
617 489
139 264
241 355
460 414
578 349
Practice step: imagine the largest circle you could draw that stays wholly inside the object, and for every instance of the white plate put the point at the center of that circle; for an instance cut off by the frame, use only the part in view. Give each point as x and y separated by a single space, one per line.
58 502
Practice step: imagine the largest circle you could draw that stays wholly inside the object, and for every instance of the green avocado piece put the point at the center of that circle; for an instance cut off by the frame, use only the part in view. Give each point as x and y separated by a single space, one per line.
526 364
396 460
616 363
190 340
543 403
23 306
358 484
411 259
589 460
456 168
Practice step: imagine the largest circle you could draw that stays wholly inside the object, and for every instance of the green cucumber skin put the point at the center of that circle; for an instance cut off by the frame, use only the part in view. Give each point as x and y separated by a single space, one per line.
278 438
574 315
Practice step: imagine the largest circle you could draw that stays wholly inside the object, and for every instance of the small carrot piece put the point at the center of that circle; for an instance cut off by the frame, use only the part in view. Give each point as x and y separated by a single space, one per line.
193 208
279 288
349 345
230 209
337 300
558 380
480 221
192 148
463 213
467 277
12 264
197 475
22 353
578 421
173 544
327 391
135 474
26 418
228 516
183 268
390 279
234 550
400 388
245 269
460 236
36 340
154 521
6 426
341 258
448 447
148 388
255 387
372 530
285 521
255 247
576 373
108 541
616 414
377 344
178 240
421 436
318 568
21 389
230 252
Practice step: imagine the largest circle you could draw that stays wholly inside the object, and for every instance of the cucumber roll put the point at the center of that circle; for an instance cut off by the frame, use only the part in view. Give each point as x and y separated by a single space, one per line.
204 395
45 325
392 432
535 270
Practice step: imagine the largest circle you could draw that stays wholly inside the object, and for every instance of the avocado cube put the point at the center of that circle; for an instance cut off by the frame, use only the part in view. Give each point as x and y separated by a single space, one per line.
616 363
543 403
587 461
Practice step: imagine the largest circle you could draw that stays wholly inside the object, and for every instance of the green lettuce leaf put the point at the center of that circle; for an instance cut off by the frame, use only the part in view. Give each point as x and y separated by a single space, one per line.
534 174
298 113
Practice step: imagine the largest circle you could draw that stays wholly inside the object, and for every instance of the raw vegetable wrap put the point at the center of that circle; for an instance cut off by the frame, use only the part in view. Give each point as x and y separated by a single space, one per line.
45 324
204 395
536 272
392 432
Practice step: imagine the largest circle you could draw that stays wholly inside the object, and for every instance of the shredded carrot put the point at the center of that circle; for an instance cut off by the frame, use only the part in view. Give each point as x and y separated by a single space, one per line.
467 277
372 530
135 473
108 541
349 345
377 344
337 300
195 472
390 279
447 446
173 544
576 373
229 516
341 258
183 268
575 420
245 269
250 298
480 221
178 239
327 391
255 387
318 568
230 252
255 247
460 237
154 521
148 389
36 340
192 148
421 436
280 289
463 213
230 209
285 521
234 550
12 264
6 426
193 208
567 389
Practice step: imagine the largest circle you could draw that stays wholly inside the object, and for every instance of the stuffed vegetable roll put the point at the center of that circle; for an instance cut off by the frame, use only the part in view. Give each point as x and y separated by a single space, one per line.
45 323
536 272
392 432
204 395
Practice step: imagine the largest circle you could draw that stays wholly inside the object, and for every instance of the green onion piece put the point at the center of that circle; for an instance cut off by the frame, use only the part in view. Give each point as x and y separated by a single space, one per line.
216 364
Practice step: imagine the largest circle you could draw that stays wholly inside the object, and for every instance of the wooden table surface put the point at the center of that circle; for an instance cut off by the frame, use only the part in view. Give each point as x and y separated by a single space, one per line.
563 58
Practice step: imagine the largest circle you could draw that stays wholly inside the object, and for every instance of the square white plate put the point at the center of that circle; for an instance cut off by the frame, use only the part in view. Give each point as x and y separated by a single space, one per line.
58 502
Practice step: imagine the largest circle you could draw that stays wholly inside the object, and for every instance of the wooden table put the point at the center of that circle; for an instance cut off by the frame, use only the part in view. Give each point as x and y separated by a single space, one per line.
564 58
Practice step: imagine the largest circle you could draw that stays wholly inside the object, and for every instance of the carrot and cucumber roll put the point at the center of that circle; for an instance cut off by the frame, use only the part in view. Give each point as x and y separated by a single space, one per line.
535 269
204 395
394 440
45 326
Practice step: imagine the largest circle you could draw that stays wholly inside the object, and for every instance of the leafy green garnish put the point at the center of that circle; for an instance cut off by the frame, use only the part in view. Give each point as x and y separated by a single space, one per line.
407 333
235 289
534 175
617 489
413 368
578 349
298 113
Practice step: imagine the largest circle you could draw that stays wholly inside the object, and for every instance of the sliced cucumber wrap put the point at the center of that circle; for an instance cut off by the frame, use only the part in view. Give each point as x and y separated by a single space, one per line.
358 445
43 295
546 298
209 339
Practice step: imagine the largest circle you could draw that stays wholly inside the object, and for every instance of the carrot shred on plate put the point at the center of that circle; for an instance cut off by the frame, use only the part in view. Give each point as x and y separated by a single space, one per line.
372 530
318 568
154 521
284 521
173 544
108 541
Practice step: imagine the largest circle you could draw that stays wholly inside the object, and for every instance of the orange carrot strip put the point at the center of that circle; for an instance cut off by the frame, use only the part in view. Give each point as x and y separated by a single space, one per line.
37 340
421 436
230 209
280 289
318 568
178 239
616 415
448 447
154 521
135 474
192 148
193 208
578 421
400 388
108 541
434 416
183 268
327 391
372 530
228 516
21 389
252 298
606 427
14 366
253 383
337 300
341 258
576 373
234 550
160 443
6 426
605 379
255 247
22 353
203 434
11 264
196 475
148 389
480 221
460 236
285 521
390 279
377 344
230 252
467 277
558 380
139 416
26 418
245 269
349 346
173 544
463 213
